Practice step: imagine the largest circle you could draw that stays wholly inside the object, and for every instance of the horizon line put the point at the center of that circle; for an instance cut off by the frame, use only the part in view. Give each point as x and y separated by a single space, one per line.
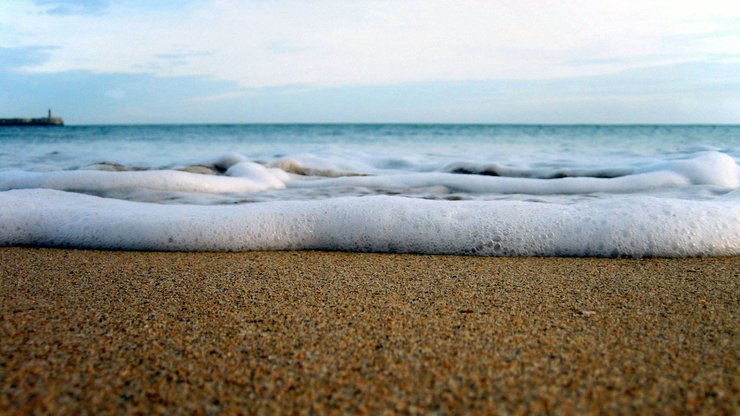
383 123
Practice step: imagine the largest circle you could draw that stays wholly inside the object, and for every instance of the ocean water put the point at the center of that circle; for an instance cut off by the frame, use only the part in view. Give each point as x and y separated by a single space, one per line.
507 190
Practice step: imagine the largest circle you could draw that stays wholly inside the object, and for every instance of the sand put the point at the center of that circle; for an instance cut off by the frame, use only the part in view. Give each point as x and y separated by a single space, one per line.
314 332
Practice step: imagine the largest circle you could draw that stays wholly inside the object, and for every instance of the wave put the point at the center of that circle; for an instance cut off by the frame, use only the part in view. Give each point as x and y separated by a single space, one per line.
674 208
493 169
631 226
234 174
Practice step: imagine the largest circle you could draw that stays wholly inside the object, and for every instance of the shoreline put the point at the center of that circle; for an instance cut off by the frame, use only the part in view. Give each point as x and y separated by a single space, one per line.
111 331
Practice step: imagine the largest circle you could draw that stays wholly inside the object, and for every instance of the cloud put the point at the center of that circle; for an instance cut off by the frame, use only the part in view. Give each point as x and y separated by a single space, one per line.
18 58
327 43
686 93
72 7
83 97
183 55
401 61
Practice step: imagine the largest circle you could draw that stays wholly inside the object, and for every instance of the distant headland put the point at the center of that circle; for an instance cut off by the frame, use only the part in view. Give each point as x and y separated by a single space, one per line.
43 121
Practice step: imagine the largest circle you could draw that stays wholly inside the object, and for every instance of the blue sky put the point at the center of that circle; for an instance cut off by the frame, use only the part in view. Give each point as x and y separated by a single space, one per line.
229 61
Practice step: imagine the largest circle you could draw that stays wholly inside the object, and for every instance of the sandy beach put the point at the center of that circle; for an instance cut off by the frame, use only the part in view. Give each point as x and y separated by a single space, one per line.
315 332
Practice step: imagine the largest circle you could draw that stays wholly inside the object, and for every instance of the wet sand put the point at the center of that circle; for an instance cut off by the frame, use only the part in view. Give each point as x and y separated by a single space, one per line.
314 332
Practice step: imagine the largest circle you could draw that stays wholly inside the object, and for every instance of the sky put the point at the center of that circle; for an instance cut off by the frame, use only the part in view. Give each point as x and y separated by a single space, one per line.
374 61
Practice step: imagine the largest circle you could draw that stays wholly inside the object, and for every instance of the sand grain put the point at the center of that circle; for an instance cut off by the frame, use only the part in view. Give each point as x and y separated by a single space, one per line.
95 331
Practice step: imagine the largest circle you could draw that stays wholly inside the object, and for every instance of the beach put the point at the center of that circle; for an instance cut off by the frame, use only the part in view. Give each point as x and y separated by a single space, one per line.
332 332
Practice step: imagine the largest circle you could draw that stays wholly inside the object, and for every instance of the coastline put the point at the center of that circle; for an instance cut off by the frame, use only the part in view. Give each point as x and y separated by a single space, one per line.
99 331
32 122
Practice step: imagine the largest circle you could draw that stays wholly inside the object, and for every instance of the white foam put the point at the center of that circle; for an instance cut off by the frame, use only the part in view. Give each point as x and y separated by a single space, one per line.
704 168
475 184
260 175
629 226
711 169
93 181
707 168
683 207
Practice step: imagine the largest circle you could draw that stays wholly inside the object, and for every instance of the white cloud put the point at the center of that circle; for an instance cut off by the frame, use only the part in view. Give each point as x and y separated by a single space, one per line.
329 43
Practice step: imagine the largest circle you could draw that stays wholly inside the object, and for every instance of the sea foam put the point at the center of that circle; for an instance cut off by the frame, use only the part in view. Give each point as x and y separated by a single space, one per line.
629 226
687 206
712 169
241 177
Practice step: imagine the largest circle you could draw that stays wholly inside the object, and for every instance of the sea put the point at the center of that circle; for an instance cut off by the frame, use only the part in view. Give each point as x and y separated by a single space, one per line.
488 190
